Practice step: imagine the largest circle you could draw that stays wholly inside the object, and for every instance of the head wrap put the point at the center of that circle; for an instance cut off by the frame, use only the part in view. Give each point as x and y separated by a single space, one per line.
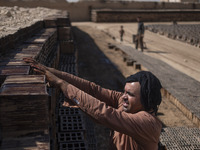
150 94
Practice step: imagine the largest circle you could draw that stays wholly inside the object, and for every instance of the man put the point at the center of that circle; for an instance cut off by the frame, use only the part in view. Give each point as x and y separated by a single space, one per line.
131 115
140 34
121 32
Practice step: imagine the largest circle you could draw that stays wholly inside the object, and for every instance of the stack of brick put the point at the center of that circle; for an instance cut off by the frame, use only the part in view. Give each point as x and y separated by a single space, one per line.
31 114
39 47
180 138
25 105
11 41
47 39
182 32
65 36
71 127
148 15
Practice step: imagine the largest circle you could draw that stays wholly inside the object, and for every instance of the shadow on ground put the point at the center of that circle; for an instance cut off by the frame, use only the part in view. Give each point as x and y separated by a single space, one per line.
94 66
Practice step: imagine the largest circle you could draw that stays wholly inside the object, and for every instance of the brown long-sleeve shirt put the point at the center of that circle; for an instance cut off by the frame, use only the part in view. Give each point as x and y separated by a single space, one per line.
139 131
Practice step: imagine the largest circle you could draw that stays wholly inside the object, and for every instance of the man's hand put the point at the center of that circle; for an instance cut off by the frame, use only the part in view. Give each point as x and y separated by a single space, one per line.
33 63
50 77
41 69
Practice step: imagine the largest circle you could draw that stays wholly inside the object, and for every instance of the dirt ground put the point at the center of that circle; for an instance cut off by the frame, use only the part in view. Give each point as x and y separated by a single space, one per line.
15 18
104 66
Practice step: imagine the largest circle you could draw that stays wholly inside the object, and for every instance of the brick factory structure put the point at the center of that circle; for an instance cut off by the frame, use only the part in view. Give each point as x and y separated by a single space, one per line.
31 112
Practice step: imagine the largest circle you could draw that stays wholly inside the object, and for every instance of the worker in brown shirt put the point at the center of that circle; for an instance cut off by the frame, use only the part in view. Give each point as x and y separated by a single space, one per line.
131 114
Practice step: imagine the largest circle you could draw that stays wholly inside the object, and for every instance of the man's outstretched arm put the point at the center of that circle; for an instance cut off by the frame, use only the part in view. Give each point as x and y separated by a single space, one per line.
108 96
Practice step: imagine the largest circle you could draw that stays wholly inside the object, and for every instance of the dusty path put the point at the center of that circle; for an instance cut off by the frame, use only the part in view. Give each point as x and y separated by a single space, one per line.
98 63
181 56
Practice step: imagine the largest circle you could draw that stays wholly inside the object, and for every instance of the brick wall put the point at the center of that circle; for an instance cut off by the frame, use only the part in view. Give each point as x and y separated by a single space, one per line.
103 15
27 105
82 11
32 115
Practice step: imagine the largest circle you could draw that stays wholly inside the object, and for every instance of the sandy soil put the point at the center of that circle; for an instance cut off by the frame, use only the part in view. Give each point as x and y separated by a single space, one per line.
98 63
182 56
15 18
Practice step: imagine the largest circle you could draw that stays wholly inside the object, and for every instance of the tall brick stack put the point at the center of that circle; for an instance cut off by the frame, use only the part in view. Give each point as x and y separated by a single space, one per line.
31 114
71 124
11 41
25 104
65 36
24 101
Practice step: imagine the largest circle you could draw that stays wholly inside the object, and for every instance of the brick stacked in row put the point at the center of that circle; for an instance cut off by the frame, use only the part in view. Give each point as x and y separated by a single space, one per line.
67 123
180 138
28 107
71 125
25 114
12 40
148 15
74 128
183 32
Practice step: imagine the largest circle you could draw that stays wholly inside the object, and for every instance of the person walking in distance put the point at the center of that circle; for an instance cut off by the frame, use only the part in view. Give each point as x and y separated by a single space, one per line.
121 32
130 114
140 34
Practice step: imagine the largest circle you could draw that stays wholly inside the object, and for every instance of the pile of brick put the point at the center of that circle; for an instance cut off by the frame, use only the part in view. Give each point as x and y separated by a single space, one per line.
182 138
25 111
29 114
187 33
148 14
74 129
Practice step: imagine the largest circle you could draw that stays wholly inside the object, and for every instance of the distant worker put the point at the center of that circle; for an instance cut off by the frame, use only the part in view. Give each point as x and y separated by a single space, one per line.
121 32
140 34
174 22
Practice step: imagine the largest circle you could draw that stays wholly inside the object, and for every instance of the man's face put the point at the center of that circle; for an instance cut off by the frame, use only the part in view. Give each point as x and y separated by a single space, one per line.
131 97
